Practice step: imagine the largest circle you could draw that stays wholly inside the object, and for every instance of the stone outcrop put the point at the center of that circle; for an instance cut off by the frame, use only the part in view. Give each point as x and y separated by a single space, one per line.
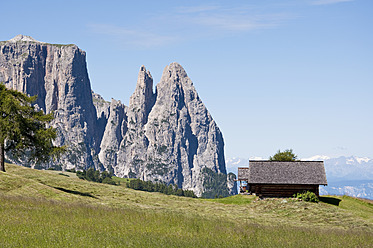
170 135
113 134
134 145
58 75
167 135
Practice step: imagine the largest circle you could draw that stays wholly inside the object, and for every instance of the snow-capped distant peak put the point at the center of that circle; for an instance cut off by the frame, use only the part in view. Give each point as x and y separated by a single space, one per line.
357 160
316 158
352 160
362 160
256 158
236 161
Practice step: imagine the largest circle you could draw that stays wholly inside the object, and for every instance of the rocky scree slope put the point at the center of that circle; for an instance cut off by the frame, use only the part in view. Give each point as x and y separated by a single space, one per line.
167 135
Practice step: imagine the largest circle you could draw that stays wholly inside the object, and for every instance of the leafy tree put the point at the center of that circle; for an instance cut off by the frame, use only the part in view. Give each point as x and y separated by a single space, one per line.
284 156
23 130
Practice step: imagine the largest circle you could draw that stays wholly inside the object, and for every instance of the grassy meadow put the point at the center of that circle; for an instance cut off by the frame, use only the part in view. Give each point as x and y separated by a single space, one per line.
56 209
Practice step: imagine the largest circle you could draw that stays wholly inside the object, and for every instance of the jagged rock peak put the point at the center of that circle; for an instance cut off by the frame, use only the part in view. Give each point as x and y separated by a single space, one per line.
174 70
176 67
144 78
143 97
21 37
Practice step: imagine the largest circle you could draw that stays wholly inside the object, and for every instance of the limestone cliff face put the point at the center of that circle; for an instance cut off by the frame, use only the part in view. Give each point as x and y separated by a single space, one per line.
113 134
58 75
182 133
166 135
134 145
171 136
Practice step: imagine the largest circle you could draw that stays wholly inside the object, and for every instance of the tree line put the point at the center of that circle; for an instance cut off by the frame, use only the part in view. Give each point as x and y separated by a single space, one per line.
96 176
149 186
215 184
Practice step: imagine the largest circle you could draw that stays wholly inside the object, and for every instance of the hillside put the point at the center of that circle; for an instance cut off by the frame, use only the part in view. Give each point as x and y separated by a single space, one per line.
53 208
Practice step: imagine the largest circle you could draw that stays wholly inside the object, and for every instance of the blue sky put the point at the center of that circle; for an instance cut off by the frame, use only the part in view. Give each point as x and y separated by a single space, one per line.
274 74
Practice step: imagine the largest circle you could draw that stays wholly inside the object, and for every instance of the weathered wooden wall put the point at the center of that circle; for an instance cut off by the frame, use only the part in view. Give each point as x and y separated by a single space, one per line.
281 190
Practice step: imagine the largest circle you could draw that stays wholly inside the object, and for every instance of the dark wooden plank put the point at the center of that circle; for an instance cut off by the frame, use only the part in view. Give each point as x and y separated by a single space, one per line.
281 190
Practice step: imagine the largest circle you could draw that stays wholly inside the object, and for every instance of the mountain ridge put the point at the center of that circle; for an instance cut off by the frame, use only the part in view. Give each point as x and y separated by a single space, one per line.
166 135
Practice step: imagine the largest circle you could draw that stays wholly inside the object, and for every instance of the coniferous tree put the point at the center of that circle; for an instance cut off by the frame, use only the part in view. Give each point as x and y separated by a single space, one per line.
23 130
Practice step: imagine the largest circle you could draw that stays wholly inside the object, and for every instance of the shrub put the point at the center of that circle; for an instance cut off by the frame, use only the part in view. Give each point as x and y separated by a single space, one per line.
95 176
109 180
149 186
307 196
80 174
286 155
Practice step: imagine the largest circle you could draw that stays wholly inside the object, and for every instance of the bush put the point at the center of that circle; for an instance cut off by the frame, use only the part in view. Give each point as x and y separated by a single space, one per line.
80 174
149 186
307 196
286 156
109 180
96 176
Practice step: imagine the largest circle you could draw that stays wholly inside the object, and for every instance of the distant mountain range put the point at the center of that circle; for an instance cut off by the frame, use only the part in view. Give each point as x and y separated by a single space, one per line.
351 176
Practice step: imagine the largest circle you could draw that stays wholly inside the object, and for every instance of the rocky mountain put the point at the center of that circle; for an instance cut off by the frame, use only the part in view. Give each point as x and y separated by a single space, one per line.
234 163
167 135
58 75
351 176
356 188
347 168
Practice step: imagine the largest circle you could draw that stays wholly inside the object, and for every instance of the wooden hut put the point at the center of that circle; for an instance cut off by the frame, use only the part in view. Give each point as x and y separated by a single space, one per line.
243 177
281 179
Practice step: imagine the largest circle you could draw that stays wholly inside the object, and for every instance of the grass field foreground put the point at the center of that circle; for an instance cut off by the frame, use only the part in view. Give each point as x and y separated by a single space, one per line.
48 209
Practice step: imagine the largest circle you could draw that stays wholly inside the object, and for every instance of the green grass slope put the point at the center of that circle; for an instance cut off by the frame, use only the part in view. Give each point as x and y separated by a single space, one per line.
56 209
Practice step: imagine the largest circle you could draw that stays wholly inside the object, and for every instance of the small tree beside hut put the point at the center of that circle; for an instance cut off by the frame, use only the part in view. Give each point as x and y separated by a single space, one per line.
285 156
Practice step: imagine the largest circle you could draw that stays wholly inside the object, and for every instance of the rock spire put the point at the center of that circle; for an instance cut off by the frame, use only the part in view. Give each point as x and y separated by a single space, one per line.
164 135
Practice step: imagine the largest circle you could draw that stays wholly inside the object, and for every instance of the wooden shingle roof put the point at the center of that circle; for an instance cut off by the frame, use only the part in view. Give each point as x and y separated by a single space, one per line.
297 172
243 174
